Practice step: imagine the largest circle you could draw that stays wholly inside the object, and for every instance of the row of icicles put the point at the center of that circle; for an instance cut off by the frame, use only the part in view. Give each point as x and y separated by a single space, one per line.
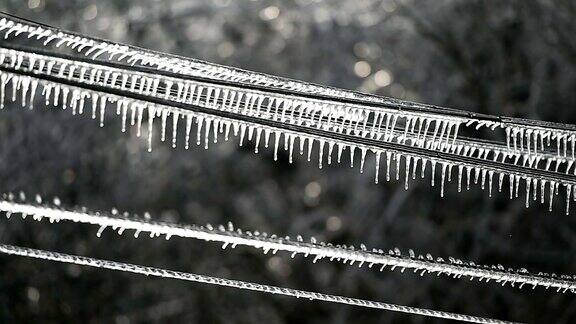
134 111
333 118
366 122
516 134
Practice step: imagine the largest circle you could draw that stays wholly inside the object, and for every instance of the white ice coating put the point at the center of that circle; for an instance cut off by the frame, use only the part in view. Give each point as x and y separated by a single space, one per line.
132 55
94 49
515 133
231 236
164 273
411 162
374 123
423 132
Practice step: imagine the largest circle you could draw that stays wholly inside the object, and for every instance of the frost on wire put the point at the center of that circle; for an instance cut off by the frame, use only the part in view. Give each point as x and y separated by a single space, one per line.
164 273
209 102
229 236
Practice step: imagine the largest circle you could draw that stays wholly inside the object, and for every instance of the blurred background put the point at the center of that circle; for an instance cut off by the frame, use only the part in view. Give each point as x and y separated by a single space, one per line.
514 58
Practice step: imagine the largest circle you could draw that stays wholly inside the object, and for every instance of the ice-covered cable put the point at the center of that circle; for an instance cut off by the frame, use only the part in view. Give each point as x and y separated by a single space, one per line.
215 99
164 273
519 132
211 118
229 236
418 131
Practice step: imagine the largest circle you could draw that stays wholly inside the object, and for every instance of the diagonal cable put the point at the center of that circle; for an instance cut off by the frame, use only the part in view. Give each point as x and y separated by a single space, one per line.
163 273
518 129
289 116
229 236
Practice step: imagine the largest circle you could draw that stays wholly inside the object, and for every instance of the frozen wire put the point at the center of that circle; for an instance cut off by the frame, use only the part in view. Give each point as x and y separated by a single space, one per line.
229 236
158 272
210 123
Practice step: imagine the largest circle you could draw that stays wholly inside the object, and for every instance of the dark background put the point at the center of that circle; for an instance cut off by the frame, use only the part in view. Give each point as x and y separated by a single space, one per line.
514 58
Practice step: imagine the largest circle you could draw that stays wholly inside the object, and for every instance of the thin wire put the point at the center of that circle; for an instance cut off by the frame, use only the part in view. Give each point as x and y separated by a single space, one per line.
164 273
233 237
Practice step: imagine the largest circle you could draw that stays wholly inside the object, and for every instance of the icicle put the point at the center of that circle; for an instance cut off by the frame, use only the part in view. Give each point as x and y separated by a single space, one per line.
34 85
94 104
102 110
133 109
302 142
100 230
56 94
398 162
217 128
416 160
163 124
3 81
228 124
388 159
330 149
552 189
362 159
291 147
352 149
16 81
377 166
433 172
407 167
199 124
250 130
82 97
25 86
490 176
151 115
568 192
277 142
175 116
139 120
476 174
168 91
46 92
208 122
528 182
511 180
320 153
257 143
442 180
460 168
188 129
310 145
423 171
